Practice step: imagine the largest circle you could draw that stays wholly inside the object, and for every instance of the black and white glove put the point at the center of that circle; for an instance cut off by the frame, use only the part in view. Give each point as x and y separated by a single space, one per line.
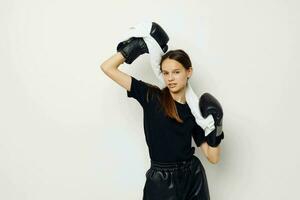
210 105
134 46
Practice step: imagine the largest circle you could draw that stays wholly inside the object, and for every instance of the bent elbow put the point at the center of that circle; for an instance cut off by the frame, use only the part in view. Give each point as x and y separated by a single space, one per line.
102 67
213 160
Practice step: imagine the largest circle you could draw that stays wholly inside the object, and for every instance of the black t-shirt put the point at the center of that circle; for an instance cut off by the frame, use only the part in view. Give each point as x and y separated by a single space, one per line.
167 139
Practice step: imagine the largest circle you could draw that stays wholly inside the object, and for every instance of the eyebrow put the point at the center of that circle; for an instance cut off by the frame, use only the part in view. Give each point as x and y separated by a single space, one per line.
173 70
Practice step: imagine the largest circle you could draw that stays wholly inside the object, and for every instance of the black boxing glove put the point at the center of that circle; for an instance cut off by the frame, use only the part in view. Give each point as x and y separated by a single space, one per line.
134 47
210 105
161 37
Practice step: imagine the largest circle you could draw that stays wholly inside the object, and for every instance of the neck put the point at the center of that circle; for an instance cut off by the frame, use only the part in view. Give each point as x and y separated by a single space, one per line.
179 96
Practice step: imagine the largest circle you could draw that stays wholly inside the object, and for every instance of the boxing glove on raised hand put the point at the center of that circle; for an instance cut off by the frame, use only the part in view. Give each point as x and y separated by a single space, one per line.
161 37
210 105
136 46
132 48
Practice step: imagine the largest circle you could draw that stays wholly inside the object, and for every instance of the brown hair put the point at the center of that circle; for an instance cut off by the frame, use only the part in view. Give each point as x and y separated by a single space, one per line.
166 101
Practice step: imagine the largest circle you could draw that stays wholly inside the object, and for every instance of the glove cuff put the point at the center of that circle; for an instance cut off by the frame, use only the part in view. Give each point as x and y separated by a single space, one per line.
213 140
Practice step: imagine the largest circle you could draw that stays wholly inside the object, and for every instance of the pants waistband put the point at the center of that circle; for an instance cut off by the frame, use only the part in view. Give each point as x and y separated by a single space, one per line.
171 165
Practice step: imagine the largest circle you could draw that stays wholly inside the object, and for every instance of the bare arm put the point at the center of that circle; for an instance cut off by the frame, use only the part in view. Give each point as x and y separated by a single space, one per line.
110 68
212 153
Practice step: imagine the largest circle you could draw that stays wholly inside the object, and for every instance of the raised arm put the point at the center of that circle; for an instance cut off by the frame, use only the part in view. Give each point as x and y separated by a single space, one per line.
110 68
127 51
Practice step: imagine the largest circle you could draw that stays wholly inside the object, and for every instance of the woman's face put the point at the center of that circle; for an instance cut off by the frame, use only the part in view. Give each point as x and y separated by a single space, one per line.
175 75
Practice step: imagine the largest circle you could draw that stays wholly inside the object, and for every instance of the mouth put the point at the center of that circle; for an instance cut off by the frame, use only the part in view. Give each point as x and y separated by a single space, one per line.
172 85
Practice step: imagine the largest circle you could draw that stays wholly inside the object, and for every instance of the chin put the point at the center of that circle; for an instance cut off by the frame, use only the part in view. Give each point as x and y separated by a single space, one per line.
175 89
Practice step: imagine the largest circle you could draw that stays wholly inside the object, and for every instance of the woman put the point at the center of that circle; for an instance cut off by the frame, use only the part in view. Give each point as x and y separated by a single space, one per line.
175 172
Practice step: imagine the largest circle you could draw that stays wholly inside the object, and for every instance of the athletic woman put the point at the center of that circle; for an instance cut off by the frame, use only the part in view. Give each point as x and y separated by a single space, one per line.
169 126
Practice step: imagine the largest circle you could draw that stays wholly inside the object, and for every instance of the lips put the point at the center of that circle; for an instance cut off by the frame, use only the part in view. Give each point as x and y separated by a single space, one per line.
172 85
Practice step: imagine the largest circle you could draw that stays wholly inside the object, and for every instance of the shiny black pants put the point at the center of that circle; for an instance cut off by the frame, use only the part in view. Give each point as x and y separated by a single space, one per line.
184 180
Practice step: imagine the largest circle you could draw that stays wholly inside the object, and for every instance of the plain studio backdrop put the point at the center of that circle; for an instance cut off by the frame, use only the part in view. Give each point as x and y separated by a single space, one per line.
67 131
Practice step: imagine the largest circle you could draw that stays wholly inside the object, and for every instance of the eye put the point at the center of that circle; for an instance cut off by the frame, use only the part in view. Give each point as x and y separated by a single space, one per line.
177 72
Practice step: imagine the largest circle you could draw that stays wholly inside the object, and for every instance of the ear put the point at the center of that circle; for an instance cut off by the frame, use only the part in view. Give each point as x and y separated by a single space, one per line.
190 72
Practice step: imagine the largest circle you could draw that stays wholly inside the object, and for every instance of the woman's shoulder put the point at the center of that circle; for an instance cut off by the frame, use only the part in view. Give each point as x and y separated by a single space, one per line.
153 91
152 87
145 88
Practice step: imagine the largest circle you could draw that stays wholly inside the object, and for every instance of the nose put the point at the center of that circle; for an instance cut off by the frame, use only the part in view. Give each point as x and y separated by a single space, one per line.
170 77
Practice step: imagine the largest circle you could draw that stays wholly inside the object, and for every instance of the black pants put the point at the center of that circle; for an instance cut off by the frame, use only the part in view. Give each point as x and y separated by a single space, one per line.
184 180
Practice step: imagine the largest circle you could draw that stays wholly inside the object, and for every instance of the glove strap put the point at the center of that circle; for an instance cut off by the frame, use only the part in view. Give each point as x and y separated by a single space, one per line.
213 140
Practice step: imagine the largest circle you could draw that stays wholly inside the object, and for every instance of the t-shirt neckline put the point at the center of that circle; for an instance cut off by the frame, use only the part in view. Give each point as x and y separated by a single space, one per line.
183 104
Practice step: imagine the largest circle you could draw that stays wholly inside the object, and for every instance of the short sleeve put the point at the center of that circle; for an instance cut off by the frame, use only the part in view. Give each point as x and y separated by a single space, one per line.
198 135
138 91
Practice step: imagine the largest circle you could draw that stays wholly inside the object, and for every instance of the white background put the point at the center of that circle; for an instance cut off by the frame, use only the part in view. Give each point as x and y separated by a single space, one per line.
67 131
